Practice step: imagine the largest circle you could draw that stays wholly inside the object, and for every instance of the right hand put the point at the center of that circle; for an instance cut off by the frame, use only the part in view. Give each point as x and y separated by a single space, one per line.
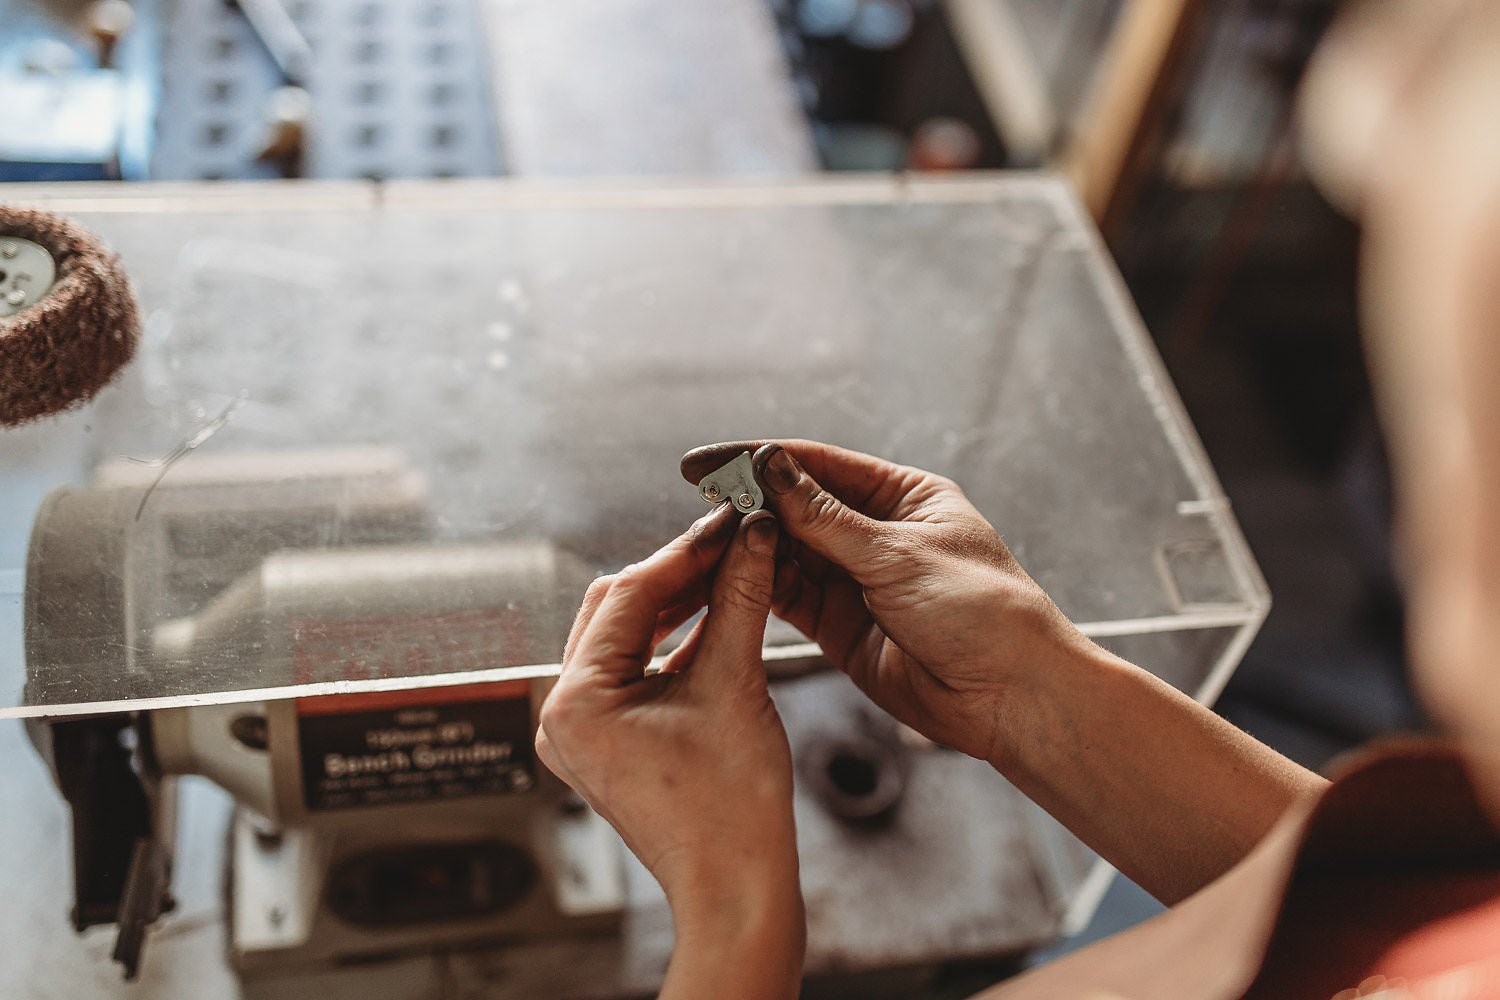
905 587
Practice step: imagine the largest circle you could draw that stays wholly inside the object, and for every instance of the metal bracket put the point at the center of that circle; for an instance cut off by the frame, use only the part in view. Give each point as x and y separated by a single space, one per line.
734 481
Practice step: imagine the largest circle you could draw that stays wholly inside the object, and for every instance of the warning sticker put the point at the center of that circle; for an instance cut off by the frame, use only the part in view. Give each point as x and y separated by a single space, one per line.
412 746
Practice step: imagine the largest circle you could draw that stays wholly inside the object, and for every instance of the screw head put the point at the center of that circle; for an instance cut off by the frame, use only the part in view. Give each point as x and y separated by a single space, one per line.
747 501
711 491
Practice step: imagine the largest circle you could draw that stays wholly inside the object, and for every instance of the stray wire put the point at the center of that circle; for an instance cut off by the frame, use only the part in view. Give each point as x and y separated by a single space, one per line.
181 451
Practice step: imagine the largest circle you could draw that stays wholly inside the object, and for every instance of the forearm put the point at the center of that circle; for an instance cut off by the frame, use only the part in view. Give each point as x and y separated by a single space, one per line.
745 947
1160 786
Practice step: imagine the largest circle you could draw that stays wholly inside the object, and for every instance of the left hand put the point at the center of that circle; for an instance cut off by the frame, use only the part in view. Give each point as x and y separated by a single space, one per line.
691 765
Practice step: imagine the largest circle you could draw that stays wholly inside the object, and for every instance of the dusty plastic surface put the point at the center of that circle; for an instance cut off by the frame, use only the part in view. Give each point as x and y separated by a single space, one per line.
537 357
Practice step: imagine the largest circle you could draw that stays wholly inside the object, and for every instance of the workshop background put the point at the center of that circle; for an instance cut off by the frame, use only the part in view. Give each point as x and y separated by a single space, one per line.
1177 116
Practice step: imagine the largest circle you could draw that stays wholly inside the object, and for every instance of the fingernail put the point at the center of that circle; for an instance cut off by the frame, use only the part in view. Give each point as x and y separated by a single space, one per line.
712 522
760 533
782 471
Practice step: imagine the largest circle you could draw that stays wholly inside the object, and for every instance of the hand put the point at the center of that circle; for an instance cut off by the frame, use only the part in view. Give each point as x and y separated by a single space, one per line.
909 591
906 588
690 764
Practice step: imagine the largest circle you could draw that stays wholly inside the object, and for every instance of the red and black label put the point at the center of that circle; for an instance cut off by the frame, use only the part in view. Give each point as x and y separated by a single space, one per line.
392 747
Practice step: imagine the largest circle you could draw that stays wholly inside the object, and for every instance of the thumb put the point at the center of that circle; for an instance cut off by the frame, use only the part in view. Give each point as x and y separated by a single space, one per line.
740 602
817 518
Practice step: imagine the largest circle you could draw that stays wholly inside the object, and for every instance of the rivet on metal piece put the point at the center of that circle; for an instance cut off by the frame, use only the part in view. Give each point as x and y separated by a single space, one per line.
8 251
735 479
16 297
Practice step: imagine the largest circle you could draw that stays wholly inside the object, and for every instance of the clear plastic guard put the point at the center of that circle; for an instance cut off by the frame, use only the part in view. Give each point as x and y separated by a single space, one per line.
384 437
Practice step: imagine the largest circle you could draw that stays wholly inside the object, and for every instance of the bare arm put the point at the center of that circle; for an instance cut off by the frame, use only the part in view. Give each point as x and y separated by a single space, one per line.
1158 785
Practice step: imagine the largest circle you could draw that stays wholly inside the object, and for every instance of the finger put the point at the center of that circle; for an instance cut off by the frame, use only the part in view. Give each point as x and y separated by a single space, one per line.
820 520
832 614
678 659
813 566
713 537
735 629
592 598
786 588
871 485
786 548
618 639
673 617
709 534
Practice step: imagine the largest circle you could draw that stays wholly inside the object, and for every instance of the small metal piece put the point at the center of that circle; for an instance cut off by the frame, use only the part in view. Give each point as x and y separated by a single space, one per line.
27 276
735 478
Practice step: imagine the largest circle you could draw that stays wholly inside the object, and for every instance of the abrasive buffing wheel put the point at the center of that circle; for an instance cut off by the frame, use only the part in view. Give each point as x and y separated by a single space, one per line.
68 322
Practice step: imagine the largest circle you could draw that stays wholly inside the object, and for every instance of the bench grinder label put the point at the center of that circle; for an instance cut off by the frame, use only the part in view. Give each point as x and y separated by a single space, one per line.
413 746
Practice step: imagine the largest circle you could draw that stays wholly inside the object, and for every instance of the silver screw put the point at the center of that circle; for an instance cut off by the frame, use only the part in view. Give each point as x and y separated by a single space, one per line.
711 491
16 297
8 251
746 500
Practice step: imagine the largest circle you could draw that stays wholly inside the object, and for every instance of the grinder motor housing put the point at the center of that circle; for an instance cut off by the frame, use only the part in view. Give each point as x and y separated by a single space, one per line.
367 822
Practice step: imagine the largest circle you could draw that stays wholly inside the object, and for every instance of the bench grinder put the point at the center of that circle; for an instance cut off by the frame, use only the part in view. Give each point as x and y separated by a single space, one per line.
370 822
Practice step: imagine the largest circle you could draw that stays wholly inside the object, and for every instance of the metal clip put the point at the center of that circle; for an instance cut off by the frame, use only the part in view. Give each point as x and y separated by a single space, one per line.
27 272
733 481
